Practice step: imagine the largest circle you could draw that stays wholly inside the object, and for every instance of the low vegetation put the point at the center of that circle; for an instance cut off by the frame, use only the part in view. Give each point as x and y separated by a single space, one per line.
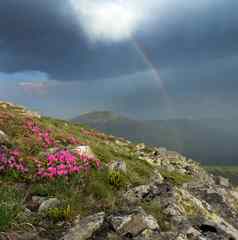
230 172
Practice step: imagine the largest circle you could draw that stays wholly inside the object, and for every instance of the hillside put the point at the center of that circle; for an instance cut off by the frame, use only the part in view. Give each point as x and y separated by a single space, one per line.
61 180
210 141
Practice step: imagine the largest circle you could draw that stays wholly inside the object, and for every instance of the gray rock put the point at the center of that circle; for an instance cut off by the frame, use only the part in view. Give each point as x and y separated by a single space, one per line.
137 193
84 150
119 165
148 235
133 224
86 227
192 233
48 204
224 182
3 137
140 147
38 200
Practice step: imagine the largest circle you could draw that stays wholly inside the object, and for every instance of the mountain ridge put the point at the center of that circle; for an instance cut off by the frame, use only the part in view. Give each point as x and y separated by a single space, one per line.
62 180
200 139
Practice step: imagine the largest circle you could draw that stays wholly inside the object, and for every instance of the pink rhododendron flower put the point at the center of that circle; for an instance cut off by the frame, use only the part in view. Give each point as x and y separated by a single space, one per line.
10 160
41 134
64 163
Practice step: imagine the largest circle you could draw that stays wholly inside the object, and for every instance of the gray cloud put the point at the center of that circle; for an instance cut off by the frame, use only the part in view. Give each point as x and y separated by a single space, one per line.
45 36
192 45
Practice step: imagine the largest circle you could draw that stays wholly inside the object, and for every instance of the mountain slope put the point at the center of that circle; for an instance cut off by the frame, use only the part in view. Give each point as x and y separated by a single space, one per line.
60 180
210 141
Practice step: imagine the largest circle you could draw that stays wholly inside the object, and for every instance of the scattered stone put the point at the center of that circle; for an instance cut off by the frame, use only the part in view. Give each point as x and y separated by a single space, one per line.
121 143
234 194
192 233
119 165
140 147
3 137
84 150
46 205
86 227
219 228
224 182
148 235
132 225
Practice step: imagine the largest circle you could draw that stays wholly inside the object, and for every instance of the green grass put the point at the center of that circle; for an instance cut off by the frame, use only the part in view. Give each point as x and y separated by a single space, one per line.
10 205
176 178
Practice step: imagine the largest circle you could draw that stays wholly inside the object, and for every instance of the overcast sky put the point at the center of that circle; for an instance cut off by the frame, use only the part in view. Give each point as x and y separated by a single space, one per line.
144 58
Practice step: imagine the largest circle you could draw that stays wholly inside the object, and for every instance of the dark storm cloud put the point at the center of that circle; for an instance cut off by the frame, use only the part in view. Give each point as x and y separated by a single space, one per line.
45 36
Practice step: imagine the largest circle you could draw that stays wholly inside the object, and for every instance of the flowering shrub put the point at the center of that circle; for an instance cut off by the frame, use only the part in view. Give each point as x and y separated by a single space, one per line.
41 135
64 163
10 160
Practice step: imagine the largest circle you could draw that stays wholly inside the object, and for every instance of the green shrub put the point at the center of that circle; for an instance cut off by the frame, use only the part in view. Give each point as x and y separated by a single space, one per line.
60 214
116 179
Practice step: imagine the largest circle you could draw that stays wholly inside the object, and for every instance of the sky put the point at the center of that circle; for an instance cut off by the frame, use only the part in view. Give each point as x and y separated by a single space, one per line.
148 59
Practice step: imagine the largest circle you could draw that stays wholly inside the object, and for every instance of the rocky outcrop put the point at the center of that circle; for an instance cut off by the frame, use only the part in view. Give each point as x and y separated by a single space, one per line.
85 228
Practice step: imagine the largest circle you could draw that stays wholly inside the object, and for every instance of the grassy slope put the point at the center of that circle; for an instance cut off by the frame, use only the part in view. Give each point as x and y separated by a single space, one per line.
84 193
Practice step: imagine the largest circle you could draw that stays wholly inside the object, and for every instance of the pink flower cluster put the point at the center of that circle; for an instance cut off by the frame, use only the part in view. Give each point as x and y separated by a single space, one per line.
64 163
39 133
10 160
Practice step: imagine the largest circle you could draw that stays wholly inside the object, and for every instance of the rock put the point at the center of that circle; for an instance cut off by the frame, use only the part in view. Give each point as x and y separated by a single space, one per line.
113 236
181 236
234 194
121 143
137 193
148 235
84 150
157 178
218 227
151 222
48 204
192 233
38 200
3 137
140 147
33 235
29 236
133 224
119 165
86 227
223 182
156 161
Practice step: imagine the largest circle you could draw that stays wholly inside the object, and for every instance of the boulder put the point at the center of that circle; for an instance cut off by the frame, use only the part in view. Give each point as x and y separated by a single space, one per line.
132 225
3 137
84 150
192 233
118 165
137 193
140 147
48 204
86 227
234 194
219 228
223 182
148 235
